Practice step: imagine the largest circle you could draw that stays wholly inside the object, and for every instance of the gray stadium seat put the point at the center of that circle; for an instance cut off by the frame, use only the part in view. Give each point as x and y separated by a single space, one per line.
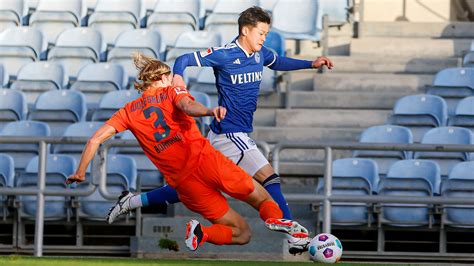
76 48
11 13
94 80
54 16
203 122
420 113
7 170
409 178
111 102
352 176
385 134
59 109
126 44
173 17
267 4
453 84
111 17
22 153
337 11
12 106
464 114
37 77
58 168
19 46
468 60
206 82
446 135
4 78
297 19
460 183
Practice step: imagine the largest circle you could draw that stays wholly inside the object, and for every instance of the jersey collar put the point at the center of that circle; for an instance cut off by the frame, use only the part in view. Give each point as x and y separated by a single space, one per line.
238 44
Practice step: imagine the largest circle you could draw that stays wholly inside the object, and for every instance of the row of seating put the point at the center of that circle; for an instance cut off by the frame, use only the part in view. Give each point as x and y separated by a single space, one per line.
406 178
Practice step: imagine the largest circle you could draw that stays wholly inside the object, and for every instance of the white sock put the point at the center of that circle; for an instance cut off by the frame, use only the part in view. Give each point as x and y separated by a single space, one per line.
136 202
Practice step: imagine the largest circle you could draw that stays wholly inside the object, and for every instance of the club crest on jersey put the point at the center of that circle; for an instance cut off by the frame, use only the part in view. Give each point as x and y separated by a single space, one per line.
206 53
257 57
180 90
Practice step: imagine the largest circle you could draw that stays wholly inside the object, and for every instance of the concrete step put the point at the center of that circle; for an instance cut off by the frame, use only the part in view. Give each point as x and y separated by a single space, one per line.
345 100
368 82
264 117
377 64
410 47
417 29
330 118
277 134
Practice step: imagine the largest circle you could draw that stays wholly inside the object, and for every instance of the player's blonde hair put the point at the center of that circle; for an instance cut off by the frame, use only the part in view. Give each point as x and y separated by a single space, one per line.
149 70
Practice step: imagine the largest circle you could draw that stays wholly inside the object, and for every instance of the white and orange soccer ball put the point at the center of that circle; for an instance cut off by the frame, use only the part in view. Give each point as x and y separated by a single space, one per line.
325 248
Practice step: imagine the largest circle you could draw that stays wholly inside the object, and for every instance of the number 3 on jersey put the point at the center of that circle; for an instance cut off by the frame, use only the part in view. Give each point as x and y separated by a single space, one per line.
160 121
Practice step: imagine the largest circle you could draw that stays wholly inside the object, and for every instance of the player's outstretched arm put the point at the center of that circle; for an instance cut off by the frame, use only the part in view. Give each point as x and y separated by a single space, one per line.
102 134
322 61
196 109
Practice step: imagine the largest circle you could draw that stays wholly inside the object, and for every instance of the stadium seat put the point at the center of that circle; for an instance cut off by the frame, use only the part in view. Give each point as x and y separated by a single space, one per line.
267 5
94 80
59 109
111 17
275 42
121 175
297 19
420 113
409 178
7 174
352 176
150 176
54 16
12 106
464 114
11 13
37 77
22 153
337 11
4 78
111 102
203 122
76 48
173 17
468 60
206 82
453 84
126 44
385 134
446 135
460 183
58 168
18 46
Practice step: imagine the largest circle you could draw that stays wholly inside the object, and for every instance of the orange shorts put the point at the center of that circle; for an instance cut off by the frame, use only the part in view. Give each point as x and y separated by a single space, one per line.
201 191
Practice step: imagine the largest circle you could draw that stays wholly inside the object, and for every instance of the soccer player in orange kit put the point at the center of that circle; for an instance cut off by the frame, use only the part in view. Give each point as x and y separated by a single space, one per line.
162 121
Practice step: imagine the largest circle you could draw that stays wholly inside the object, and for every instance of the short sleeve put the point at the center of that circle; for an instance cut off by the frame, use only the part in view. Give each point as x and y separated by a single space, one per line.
178 93
119 120
269 57
214 56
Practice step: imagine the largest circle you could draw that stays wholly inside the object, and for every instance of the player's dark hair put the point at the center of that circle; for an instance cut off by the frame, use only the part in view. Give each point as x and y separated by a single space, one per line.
251 16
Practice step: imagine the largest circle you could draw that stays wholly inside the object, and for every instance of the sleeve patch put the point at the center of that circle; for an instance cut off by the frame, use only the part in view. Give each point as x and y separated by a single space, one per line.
179 90
206 52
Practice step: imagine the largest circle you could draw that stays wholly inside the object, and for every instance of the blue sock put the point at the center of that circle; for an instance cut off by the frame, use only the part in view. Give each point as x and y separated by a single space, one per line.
272 185
160 196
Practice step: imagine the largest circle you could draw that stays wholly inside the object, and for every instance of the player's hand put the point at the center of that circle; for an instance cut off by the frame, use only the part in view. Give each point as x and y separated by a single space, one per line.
78 178
321 61
178 81
219 113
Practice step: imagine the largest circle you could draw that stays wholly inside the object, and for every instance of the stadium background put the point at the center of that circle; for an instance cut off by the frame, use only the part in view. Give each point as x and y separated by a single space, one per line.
403 75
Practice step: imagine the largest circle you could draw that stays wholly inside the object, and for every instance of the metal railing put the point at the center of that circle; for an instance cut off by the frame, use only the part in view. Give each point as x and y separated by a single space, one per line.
327 198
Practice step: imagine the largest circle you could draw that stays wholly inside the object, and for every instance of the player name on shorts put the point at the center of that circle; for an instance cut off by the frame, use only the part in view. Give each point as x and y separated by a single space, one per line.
167 143
246 77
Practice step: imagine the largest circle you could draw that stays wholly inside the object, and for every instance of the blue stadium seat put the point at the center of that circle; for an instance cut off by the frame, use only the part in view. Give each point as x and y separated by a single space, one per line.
121 175
446 135
94 80
460 183
420 113
385 134
172 18
12 106
76 48
203 122
297 19
59 109
150 176
468 60
37 77
352 176
126 44
464 114
275 42
453 84
4 78
52 17
22 153
7 174
111 17
11 13
206 82
409 178
111 102
337 11
18 46
58 168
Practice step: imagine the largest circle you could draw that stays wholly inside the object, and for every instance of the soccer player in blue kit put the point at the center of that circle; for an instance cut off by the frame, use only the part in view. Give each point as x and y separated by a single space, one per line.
238 68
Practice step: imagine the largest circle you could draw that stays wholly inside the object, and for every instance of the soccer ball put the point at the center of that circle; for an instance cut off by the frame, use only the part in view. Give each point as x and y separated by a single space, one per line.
325 248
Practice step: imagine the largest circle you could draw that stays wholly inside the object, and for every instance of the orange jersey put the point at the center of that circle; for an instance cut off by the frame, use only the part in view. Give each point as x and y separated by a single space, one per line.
168 136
